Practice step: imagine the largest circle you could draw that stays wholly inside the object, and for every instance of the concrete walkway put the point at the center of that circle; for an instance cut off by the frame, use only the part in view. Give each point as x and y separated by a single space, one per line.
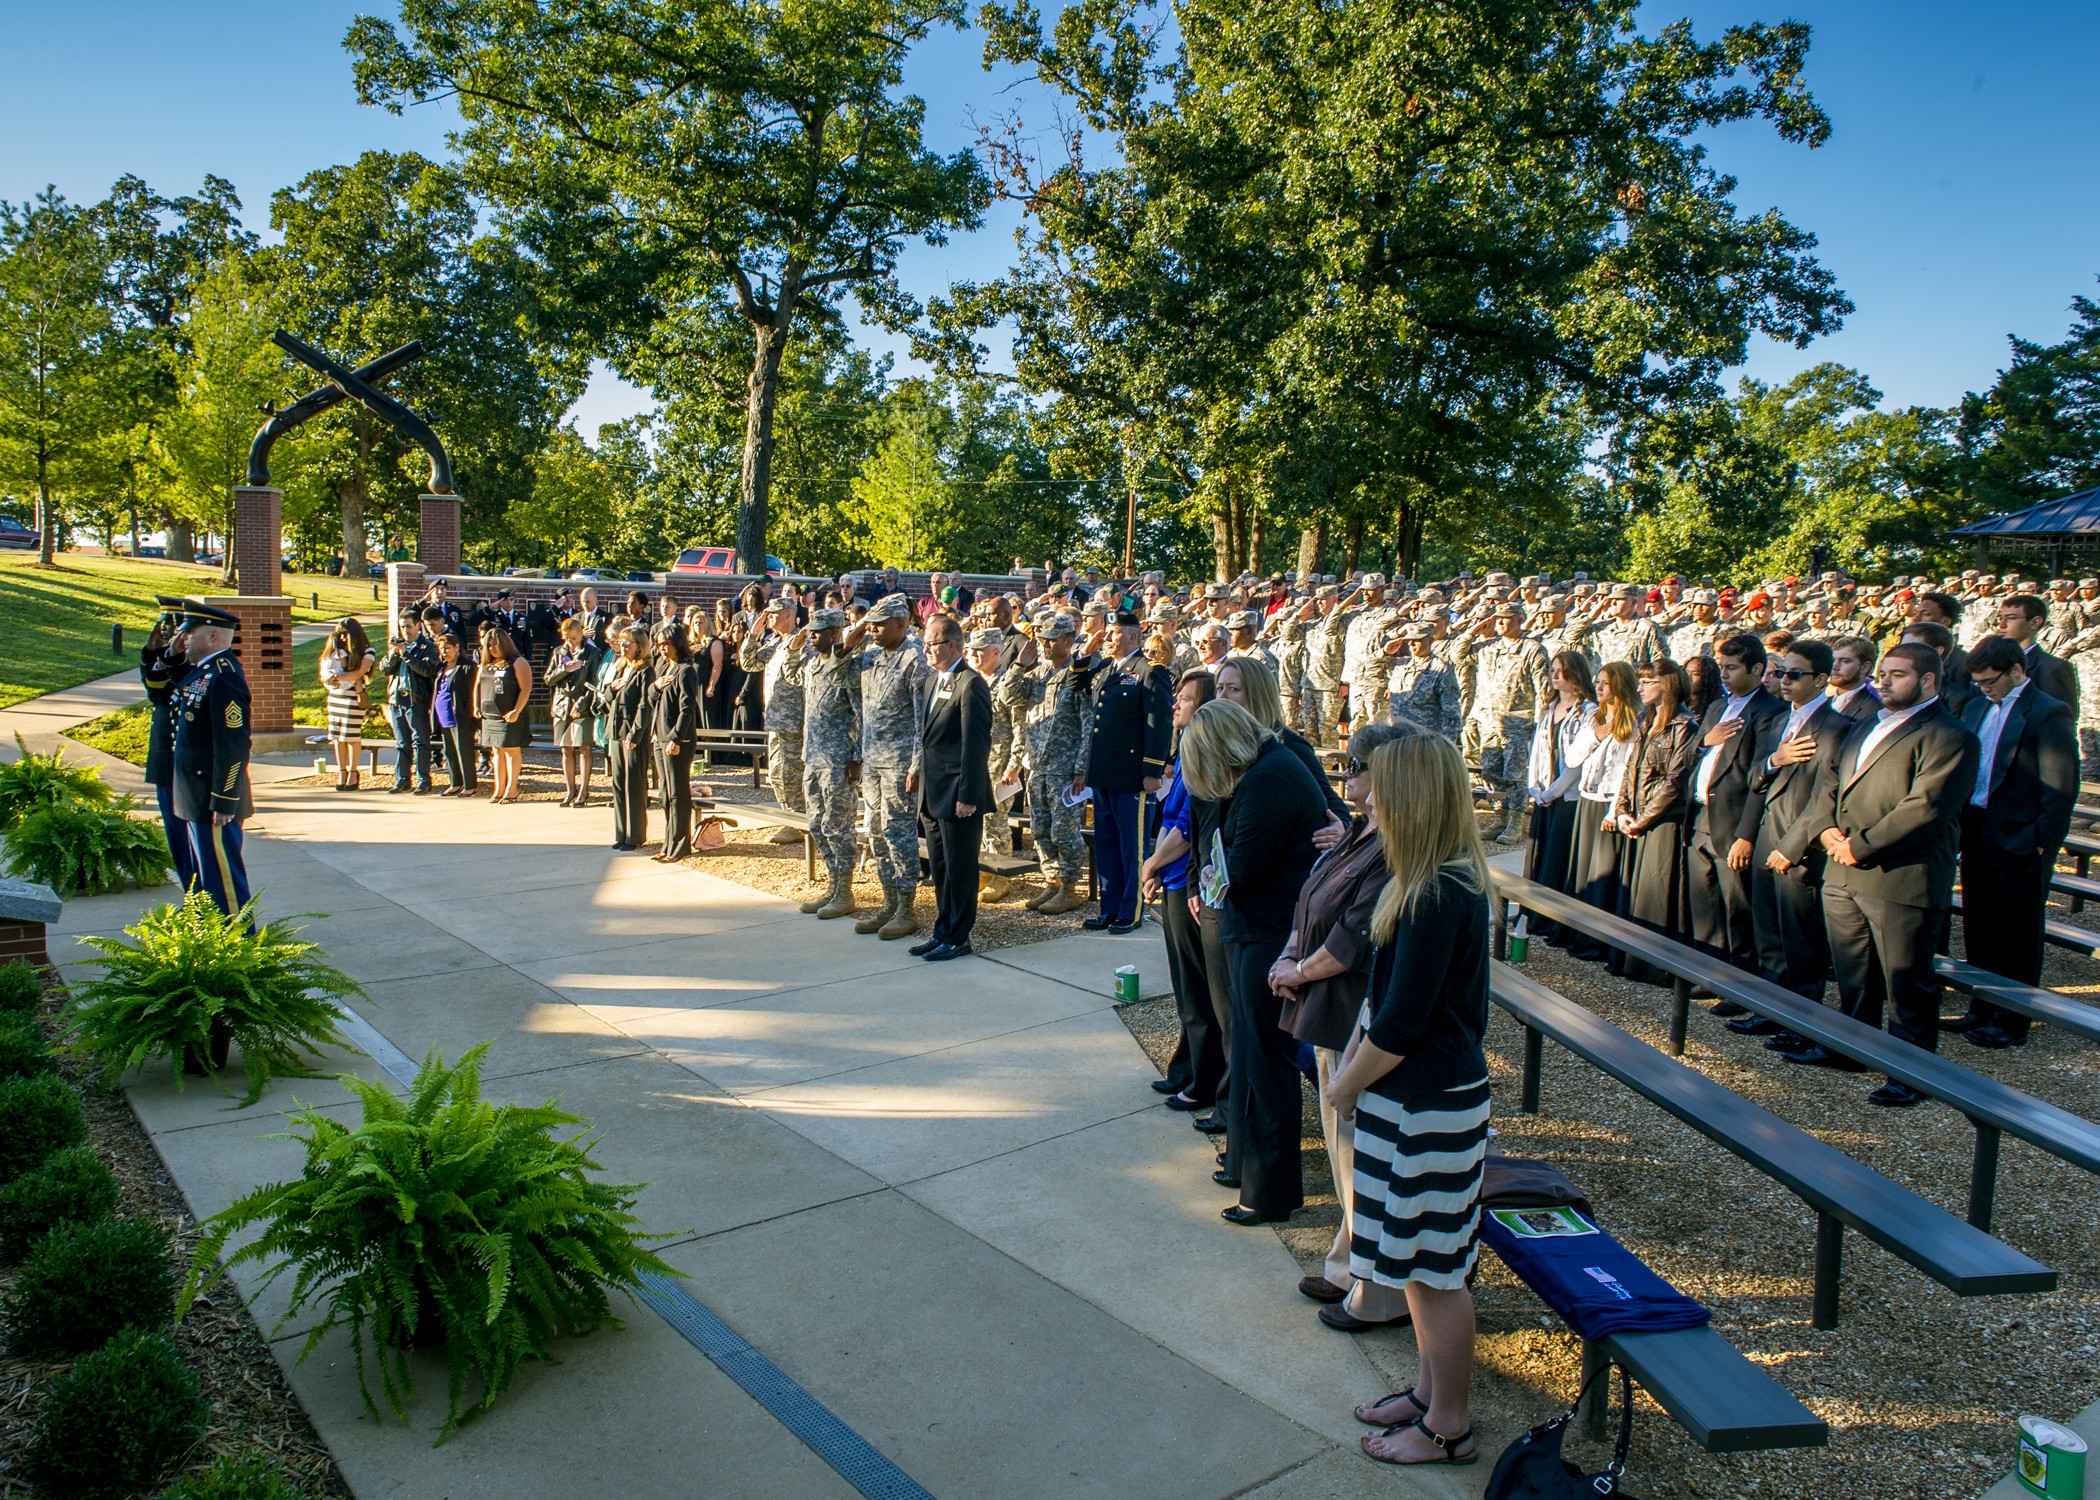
942 1200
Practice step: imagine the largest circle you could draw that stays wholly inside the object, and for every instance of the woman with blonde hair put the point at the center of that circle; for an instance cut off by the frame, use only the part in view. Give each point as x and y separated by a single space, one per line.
1414 1083
1560 744
1251 683
1259 856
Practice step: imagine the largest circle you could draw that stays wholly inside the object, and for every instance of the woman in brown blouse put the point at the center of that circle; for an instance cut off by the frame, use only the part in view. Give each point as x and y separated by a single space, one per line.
1321 976
1651 806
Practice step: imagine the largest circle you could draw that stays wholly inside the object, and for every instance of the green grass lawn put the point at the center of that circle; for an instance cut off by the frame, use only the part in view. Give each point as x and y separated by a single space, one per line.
55 622
123 734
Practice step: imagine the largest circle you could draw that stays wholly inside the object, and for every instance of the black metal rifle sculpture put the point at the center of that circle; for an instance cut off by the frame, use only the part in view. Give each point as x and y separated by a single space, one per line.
346 384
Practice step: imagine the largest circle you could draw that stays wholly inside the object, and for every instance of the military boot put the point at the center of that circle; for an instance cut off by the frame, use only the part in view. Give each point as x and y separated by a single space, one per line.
904 920
875 921
840 902
1049 890
994 888
1498 822
811 907
1064 897
785 835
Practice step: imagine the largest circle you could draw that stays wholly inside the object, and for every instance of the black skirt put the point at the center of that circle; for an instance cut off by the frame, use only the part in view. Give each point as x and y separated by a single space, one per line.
1593 869
1550 858
1652 893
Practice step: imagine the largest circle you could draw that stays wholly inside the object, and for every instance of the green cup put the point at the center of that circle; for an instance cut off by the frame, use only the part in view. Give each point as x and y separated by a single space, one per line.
1127 985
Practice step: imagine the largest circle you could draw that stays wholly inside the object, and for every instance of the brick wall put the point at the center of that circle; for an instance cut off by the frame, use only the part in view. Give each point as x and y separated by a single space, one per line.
867 583
263 642
23 940
258 541
437 534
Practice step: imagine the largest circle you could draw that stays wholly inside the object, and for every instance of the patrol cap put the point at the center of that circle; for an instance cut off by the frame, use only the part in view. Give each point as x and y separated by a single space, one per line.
785 603
1434 596
1163 613
888 607
1326 591
1510 610
1374 581
1056 628
827 619
1095 607
1244 619
1626 591
2059 583
196 612
1553 604
987 640
1702 596
1498 578
1535 580
1417 632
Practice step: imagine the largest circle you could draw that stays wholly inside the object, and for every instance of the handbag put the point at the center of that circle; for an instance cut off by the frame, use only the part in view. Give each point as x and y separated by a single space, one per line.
1532 1468
710 834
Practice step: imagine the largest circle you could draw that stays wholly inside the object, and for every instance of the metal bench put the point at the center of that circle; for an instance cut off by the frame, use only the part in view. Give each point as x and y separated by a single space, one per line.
1994 1109
749 742
1843 1192
2040 1004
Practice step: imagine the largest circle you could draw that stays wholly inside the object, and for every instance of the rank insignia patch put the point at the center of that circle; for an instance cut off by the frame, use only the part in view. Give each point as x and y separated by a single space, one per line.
233 716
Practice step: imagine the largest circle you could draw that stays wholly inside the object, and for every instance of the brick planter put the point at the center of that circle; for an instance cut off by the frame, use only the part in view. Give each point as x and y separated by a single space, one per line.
26 911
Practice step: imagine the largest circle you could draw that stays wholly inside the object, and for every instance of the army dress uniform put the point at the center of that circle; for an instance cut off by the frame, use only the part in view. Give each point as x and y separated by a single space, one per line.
1509 684
1054 710
892 730
830 690
766 654
209 715
1133 707
161 673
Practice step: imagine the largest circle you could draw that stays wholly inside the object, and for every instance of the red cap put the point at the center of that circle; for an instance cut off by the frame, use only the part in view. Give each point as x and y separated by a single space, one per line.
1655 596
1759 599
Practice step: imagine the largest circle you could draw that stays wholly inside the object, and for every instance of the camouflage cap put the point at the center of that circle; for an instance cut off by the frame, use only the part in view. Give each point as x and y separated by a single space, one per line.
1702 596
1534 580
1095 608
987 640
1417 632
827 619
889 607
1326 591
1374 580
1510 610
1245 619
1056 628
1163 613
1553 604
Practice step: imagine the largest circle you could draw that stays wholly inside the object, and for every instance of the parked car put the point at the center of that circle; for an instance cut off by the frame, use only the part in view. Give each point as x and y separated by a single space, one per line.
641 575
721 560
598 575
14 534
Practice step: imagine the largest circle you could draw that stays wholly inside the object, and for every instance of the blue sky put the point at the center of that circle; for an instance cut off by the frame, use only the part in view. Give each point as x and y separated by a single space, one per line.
1958 199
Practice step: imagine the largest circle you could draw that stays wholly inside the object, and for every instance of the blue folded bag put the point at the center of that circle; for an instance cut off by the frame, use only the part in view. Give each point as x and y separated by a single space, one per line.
1594 1282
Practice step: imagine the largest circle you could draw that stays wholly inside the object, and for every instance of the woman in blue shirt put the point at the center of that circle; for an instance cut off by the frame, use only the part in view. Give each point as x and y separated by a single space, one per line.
1198 1064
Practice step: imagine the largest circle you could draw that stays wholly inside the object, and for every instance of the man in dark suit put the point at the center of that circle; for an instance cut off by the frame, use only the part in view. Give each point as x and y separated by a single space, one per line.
1786 867
1890 807
1721 831
2020 619
1127 756
1955 687
2012 828
1851 685
954 784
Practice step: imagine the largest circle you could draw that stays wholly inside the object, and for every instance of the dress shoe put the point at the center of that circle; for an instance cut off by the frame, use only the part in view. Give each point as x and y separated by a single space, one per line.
1221 1158
1727 1008
1818 1057
1096 922
1117 929
1786 1041
947 951
1210 1125
1993 1037
1341 1320
920 950
1894 1095
1185 1104
1320 1289
1222 1177
1161 1086
395 791
425 791
1959 1024
1753 1026
1246 1216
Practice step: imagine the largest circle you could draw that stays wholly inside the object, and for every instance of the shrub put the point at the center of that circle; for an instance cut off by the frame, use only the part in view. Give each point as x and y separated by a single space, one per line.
24 1053
441 1207
73 1186
249 1478
21 987
35 781
195 971
37 1117
82 849
122 1417
84 1282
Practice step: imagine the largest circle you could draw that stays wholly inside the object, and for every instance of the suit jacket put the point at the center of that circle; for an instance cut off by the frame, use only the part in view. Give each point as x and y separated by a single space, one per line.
1901 809
2034 775
1133 724
956 744
1731 812
1955 687
1785 798
2053 675
1865 704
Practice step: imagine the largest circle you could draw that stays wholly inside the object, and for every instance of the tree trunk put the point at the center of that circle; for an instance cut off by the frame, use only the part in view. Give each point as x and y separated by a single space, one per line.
1221 543
134 527
755 489
1256 536
1312 546
182 542
46 517
1407 543
1352 544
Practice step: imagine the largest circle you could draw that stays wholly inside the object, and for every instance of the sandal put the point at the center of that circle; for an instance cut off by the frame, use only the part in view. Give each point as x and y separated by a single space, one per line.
1407 1395
1447 1447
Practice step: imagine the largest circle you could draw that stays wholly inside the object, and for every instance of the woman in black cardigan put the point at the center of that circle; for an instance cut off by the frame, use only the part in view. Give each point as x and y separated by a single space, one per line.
1249 682
1266 834
674 717
625 697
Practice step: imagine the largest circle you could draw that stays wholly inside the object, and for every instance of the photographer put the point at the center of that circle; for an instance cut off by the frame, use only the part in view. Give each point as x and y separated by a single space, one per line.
410 667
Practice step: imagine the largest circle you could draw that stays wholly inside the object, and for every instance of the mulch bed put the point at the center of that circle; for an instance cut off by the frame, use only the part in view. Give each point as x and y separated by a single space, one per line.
253 1409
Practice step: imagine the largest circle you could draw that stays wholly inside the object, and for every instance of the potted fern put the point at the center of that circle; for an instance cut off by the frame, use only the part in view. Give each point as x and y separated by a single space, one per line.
193 981
87 848
441 1218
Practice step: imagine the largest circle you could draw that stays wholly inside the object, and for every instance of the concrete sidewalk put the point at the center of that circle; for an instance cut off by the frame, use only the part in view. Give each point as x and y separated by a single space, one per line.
943 1200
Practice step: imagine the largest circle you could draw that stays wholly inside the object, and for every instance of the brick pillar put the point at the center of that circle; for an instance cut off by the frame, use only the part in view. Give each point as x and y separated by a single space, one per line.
263 643
437 535
26 909
258 542
404 587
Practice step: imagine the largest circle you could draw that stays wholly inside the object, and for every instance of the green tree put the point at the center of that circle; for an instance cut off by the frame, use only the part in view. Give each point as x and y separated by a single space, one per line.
663 155
2035 433
911 513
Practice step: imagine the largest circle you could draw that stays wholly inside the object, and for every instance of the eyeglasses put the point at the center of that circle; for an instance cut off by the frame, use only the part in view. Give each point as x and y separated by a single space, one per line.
1793 674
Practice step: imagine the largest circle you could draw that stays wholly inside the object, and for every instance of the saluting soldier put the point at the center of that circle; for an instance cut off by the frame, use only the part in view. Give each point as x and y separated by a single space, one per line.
1286 633
1363 662
1244 627
1055 710
163 666
1628 635
1421 687
818 666
1326 639
987 647
1702 632
209 712
765 652
892 730
1556 630
1133 722
1509 684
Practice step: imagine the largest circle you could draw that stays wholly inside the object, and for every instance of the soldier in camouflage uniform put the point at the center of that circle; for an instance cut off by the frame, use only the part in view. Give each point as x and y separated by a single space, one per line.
985 648
1509 684
1421 687
1702 632
892 728
765 653
1326 640
1286 633
1556 631
1056 713
1244 628
817 668
1628 635
1364 664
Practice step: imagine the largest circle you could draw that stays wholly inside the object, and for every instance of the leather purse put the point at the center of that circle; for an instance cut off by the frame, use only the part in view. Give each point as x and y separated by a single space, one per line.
1532 1468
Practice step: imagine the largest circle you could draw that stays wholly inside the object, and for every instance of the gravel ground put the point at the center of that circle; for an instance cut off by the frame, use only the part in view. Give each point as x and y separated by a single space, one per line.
252 1408
1920 1388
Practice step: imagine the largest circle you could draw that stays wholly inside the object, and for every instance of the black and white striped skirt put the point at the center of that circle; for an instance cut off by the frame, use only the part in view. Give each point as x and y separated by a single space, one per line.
346 716
1418 1171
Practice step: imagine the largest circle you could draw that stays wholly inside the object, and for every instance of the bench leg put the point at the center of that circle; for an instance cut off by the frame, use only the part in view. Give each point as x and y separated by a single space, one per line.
1830 1255
1596 1399
1534 1063
1680 1015
1983 1177
1498 928
809 854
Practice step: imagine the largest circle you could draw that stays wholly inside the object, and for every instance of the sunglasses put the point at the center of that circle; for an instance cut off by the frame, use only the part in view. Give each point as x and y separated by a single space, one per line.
1355 767
1792 674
